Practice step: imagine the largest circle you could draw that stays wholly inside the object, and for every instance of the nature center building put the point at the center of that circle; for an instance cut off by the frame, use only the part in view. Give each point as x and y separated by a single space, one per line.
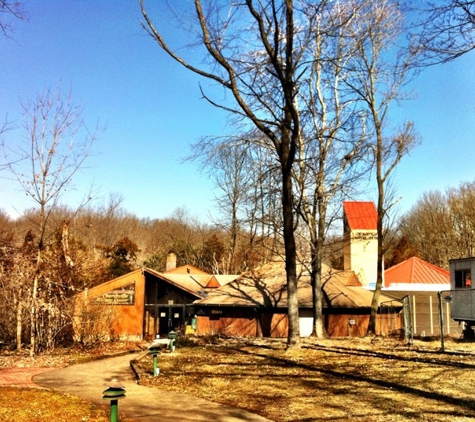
146 303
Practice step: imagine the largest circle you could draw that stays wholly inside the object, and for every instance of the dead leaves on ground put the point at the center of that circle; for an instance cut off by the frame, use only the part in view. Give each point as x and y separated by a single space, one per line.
23 404
326 380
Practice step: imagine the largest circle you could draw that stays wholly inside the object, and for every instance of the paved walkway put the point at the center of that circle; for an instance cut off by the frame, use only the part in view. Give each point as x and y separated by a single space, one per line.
145 404
21 377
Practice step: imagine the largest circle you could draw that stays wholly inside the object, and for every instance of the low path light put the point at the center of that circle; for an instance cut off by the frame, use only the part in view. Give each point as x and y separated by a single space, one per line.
114 392
154 350
172 337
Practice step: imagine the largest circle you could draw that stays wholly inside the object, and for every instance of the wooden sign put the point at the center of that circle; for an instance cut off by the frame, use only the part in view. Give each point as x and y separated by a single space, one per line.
122 296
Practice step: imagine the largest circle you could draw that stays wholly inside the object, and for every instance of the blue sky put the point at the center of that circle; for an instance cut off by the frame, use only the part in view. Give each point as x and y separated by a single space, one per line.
153 111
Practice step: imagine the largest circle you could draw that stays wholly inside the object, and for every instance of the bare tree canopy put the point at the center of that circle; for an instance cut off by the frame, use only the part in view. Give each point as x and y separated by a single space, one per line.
441 225
9 10
446 30
56 145
256 52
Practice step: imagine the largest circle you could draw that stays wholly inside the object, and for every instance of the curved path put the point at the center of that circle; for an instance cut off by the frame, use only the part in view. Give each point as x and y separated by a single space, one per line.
89 380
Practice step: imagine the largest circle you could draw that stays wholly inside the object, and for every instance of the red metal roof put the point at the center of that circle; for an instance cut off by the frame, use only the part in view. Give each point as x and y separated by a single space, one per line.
361 215
213 282
415 270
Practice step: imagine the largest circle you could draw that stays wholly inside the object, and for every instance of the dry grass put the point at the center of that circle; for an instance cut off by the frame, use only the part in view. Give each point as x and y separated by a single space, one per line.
61 357
327 380
23 404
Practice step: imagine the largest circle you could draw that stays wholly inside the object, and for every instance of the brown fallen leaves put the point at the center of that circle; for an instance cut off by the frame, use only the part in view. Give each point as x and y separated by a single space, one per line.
22 405
327 380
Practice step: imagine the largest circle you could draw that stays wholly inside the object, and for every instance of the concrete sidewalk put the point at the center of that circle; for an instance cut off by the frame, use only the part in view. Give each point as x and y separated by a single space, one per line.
146 404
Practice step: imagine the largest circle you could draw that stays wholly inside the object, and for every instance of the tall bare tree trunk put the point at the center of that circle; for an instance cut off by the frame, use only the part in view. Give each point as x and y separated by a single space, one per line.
293 337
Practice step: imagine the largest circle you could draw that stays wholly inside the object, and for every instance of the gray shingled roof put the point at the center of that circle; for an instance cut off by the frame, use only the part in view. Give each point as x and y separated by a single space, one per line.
267 287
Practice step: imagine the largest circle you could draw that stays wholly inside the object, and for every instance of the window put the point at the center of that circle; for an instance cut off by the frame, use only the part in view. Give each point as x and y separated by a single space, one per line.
463 279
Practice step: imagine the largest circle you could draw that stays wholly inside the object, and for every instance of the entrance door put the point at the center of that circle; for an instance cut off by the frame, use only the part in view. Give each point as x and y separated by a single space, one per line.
170 318
164 322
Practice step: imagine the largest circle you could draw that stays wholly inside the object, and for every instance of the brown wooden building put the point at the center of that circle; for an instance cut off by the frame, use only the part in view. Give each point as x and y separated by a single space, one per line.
143 303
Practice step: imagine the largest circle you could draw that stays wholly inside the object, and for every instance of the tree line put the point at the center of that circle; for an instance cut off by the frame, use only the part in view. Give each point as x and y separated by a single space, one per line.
105 242
93 247
441 225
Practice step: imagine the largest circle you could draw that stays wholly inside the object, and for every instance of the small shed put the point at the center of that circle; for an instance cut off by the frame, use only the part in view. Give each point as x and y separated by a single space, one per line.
415 274
420 282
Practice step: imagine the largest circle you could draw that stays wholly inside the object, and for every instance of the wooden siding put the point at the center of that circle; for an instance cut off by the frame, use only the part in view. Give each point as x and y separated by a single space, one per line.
126 321
244 322
357 325
248 322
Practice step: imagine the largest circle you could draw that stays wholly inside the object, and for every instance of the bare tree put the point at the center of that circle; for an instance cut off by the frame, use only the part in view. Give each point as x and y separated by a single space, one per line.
333 132
228 164
461 203
442 225
244 175
56 147
381 67
255 52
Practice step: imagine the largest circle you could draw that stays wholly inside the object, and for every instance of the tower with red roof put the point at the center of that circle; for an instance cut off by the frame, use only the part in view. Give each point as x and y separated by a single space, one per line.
360 252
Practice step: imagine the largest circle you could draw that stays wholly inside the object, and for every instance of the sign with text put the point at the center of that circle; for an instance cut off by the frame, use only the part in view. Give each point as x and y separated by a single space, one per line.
122 296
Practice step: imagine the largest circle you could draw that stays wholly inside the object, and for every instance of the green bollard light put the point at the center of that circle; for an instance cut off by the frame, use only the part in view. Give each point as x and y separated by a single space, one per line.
154 350
172 337
115 392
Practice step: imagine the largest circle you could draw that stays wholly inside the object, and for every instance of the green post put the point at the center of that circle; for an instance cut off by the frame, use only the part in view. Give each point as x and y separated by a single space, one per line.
155 366
154 350
114 410
172 337
115 392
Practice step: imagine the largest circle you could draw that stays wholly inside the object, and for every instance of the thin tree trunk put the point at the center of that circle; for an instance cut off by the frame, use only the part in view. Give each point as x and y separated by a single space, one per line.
33 316
19 311
379 272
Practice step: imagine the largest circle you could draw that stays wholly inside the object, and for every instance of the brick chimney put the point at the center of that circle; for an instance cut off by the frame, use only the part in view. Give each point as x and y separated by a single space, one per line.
171 261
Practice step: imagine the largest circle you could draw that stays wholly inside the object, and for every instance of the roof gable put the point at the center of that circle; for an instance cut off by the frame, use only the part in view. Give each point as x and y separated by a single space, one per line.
416 271
113 284
185 282
196 283
213 283
360 215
